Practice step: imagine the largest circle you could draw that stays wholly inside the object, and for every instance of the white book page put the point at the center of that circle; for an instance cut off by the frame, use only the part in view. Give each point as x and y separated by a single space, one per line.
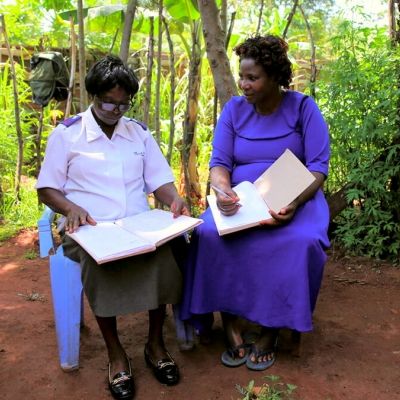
158 226
107 241
284 181
252 211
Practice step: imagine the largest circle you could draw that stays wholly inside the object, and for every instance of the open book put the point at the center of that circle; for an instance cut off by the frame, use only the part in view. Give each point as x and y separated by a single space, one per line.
276 188
137 234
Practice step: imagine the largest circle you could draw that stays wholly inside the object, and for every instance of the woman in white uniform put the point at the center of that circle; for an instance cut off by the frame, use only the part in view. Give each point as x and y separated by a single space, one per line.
101 166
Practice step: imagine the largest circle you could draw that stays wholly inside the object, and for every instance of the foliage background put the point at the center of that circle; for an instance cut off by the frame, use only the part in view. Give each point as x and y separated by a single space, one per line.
357 90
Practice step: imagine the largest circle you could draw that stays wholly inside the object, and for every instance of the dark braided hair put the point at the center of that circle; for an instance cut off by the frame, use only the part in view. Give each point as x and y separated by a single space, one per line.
108 73
271 53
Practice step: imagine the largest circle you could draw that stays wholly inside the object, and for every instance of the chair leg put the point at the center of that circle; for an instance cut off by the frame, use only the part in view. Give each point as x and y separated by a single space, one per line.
296 343
184 331
82 321
65 276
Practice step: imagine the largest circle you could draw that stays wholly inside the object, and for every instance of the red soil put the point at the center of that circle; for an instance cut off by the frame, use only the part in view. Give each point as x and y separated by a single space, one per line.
353 353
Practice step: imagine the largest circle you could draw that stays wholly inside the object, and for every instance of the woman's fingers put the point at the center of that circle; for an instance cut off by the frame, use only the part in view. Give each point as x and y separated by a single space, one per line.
76 218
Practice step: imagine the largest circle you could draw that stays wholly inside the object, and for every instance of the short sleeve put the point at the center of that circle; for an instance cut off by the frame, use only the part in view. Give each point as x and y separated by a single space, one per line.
157 171
53 172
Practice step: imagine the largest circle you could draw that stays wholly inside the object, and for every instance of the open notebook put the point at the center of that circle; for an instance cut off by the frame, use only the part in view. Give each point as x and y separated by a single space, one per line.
137 234
277 187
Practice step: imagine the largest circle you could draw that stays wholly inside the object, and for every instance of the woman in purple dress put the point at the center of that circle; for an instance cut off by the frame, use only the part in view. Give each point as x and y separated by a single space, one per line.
269 275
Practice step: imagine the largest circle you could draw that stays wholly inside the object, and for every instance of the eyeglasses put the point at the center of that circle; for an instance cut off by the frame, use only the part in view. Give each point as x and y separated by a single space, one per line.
112 106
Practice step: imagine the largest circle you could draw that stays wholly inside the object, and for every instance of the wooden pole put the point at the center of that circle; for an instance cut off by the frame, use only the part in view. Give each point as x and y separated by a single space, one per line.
126 34
17 181
73 69
82 58
38 142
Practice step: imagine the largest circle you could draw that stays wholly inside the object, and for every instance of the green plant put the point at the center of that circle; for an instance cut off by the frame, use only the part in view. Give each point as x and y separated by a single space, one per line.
30 254
274 389
22 213
360 102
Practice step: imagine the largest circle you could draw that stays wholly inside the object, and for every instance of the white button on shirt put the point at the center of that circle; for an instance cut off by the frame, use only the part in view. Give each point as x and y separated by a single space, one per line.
110 178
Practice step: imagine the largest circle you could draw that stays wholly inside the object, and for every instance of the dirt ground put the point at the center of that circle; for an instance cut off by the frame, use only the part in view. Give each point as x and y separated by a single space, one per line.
353 352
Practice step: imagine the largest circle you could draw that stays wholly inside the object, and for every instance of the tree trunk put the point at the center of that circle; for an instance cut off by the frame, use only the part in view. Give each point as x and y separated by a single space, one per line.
73 70
290 18
337 202
149 73
392 21
172 93
260 17
313 65
158 78
111 50
216 53
227 34
189 146
38 142
126 34
1 202
82 59
224 26
20 139
224 16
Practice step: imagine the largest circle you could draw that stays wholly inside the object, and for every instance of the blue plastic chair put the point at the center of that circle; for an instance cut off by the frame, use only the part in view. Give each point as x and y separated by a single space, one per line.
67 295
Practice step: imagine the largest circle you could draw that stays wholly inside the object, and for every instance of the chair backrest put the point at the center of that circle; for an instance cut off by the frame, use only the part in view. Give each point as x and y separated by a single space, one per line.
46 240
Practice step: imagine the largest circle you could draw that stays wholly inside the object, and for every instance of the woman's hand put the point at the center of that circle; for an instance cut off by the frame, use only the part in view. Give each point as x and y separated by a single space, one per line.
168 195
227 199
179 207
228 204
287 213
74 214
75 217
284 215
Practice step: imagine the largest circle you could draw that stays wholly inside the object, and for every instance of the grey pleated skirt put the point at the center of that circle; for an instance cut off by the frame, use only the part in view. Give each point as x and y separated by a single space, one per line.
129 285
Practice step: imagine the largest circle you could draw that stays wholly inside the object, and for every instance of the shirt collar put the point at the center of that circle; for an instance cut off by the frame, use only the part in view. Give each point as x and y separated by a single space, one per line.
93 130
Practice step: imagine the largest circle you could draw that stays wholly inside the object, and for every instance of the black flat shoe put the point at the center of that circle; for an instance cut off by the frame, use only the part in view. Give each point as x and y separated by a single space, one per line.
166 371
121 385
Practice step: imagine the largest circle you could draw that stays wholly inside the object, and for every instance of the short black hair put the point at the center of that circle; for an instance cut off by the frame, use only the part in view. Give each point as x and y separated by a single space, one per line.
109 72
271 53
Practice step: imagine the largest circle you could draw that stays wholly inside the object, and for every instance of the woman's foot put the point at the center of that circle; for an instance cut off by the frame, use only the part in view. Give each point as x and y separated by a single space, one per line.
121 383
262 354
237 351
162 364
118 361
235 356
120 379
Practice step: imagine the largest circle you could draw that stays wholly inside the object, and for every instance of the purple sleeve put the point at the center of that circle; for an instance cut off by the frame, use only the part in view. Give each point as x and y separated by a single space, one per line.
315 137
222 153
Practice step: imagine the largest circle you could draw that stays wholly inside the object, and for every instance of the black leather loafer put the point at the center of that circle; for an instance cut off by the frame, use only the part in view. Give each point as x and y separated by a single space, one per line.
121 385
166 371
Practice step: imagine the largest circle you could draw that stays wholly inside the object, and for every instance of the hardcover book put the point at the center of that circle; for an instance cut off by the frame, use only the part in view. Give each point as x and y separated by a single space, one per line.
137 234
276 188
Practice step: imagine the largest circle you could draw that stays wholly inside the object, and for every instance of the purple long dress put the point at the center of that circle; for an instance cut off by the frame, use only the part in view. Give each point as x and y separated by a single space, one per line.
268 275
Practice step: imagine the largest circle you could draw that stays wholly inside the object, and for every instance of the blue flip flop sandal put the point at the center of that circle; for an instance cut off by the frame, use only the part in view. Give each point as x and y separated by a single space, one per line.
230 357
262 365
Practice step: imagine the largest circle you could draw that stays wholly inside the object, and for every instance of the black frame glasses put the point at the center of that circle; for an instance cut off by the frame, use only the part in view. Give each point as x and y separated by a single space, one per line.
110 107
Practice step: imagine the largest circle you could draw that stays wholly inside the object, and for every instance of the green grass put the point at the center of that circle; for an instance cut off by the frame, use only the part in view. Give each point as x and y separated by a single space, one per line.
7 231
30 254
20 214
